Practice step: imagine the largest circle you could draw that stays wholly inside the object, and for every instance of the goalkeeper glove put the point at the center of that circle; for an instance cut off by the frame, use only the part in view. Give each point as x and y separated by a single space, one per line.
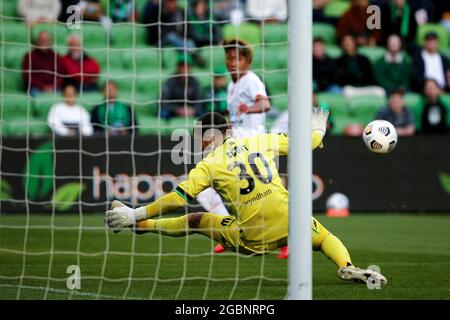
319 126
121 216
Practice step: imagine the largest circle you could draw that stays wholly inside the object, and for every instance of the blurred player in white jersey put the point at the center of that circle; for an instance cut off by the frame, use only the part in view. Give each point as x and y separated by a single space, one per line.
247 104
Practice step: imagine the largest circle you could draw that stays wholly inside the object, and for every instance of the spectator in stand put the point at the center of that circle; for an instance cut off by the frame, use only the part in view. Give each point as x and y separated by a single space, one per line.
122 11
435 110
318 12
166 27
269 10
201 27
228 10
81 70
398 18
354 22
393 70
39 11
67 118
112 116
216 97
429 63
398 114
324 68
42 67
181 93
354 69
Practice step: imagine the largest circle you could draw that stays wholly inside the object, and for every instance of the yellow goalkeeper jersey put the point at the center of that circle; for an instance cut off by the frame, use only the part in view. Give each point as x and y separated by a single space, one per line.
244 173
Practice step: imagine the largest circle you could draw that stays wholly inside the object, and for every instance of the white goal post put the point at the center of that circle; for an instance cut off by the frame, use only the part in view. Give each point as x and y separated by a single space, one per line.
300 155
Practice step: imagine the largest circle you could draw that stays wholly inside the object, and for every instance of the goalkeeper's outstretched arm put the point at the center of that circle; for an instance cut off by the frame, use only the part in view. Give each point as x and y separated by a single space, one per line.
121 216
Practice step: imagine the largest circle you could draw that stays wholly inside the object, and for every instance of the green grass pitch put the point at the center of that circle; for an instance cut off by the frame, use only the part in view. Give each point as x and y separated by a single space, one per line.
413 252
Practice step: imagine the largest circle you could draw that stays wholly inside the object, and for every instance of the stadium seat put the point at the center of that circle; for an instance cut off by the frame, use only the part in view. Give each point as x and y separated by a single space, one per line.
438 29
13 55
42 104
8 9
14 32
26 127
279 102
214 56
445 52
109 59
11 81
128 36
365 108
143 60
333 51
446 97
275 56
181 123
341 122
90 99
274 32
337 102
169 58
246 31
372 53
276 81
15 106
94 35
325 31
150 124
336 8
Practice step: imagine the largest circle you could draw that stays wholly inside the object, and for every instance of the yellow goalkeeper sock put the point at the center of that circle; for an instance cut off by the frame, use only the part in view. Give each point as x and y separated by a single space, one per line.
207 224
174 227
330 245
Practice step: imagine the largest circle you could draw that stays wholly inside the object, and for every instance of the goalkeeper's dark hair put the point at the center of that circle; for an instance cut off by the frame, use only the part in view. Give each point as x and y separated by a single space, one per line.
211 120
242 47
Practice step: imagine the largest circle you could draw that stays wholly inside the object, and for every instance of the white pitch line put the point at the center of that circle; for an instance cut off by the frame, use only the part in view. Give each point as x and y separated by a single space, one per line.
65 291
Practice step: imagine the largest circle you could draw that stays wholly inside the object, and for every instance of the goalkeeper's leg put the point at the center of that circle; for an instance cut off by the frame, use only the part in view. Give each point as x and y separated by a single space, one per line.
212 202
205 223
335 250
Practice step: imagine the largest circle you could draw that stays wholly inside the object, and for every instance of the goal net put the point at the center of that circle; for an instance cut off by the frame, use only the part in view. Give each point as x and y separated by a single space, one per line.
56 185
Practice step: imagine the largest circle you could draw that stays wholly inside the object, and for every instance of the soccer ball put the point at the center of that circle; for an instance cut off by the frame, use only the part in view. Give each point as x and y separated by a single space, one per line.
380 136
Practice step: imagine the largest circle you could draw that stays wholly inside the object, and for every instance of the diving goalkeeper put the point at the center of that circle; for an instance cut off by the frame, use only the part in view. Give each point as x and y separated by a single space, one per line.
243 172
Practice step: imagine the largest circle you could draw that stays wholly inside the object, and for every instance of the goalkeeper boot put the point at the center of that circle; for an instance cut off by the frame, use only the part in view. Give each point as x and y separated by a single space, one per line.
367 276
219 248
284 253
